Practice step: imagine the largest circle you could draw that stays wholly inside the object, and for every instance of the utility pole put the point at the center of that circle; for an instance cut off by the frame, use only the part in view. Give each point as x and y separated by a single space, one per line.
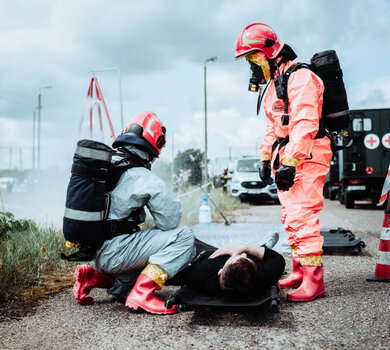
211 59
173 162
33 139
10 158
39 130
20 159
39 124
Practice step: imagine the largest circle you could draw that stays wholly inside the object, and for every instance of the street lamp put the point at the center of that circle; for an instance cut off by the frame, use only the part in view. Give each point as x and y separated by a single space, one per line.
39 123
33 138
119 85
211 59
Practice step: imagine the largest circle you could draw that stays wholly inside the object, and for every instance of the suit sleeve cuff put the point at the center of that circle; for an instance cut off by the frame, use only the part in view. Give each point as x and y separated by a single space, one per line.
265 157
290 161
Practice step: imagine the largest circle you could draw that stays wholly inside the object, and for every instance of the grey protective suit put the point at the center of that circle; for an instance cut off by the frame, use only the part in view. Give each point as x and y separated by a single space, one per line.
166 244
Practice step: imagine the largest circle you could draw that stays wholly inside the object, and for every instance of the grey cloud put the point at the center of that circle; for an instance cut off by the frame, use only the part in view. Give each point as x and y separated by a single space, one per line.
374 98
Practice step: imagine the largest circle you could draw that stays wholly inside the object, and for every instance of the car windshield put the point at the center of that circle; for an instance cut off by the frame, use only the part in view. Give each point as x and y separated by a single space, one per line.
248 165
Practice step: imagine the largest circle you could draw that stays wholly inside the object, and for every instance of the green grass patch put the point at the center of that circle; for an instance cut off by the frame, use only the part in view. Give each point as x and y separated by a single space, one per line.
28 255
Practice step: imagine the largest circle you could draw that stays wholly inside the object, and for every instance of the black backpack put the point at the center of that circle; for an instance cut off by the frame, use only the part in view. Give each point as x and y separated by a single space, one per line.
87 201
335 110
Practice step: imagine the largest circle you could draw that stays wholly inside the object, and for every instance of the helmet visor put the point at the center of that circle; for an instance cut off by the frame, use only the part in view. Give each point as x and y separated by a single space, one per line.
260 60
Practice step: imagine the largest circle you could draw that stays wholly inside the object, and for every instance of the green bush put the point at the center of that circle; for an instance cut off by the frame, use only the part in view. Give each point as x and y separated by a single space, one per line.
26 253
8 224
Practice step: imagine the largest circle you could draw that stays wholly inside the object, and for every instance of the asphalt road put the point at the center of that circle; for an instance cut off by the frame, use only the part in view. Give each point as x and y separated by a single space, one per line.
354 314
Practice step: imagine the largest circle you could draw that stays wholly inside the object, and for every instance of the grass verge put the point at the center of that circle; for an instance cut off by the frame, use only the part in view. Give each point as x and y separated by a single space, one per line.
30 264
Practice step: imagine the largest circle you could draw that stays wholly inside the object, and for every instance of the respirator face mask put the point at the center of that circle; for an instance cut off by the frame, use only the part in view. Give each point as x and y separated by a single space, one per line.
260 70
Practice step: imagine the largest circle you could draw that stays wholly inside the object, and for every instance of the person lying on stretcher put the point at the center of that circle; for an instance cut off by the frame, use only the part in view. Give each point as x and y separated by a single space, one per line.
233 272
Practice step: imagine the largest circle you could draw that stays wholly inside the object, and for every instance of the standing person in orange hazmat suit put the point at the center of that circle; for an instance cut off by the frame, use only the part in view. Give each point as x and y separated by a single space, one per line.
302 155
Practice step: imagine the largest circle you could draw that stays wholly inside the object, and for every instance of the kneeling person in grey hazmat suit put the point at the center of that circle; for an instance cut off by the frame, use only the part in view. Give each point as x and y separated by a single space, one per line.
161 251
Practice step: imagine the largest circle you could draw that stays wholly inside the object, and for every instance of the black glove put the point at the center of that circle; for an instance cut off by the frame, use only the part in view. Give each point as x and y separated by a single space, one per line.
284 177
265 172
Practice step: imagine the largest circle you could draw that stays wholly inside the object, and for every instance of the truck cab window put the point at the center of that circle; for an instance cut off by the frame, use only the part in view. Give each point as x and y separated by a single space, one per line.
361 124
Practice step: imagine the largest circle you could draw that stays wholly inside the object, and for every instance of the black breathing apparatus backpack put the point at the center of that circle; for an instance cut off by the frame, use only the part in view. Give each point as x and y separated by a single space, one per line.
335 110
87 205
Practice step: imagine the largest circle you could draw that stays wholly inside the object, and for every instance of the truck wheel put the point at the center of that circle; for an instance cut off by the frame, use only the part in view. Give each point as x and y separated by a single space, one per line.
349 201
342 198
326 191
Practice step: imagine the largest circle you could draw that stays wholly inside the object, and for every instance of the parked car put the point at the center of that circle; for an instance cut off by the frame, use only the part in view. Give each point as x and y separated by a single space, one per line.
246 184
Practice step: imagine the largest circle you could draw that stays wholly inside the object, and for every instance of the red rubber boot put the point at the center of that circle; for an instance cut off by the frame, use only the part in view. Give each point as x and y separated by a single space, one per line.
86 279
296 277
312 286
142 295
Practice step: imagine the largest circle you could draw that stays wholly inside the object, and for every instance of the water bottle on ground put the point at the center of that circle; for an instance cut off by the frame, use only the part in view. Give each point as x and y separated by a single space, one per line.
204 212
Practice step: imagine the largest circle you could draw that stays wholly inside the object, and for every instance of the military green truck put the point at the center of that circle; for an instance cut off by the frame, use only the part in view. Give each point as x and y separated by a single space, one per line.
363 165
331 185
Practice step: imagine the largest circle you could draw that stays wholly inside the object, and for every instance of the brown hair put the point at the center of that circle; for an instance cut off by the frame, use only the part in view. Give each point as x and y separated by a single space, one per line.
238 276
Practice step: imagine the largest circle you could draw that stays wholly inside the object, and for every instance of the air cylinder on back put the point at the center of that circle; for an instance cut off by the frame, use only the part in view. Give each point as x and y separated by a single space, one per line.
85 206
335 109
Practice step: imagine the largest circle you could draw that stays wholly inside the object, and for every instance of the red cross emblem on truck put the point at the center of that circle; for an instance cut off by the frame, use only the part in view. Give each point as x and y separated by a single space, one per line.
386 140
371 141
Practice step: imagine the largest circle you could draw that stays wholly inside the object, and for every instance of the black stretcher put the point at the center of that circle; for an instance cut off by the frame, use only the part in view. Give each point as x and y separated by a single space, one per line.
341 239
188 299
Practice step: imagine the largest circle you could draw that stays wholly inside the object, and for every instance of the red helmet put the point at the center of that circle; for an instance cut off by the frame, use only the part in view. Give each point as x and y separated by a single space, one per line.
145 131
258 37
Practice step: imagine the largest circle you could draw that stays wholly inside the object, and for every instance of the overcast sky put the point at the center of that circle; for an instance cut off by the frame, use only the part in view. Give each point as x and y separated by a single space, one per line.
160 48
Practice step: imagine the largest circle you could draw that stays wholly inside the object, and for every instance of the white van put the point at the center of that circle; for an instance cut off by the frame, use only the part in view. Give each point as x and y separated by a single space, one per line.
246 183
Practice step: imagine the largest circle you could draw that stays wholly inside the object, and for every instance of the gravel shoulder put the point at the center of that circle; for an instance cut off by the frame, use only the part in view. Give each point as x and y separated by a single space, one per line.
354 314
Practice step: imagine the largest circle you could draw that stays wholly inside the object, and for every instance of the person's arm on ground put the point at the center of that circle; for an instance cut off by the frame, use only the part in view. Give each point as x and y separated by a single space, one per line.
255 251
271 269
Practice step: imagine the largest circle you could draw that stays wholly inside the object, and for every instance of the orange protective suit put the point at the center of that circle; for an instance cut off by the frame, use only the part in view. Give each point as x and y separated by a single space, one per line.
304 199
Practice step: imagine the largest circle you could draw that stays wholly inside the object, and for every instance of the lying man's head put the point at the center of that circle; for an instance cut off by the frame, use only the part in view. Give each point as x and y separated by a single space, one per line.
238 274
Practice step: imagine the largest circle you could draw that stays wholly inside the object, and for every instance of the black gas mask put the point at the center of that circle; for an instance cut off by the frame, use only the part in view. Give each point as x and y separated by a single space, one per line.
257 77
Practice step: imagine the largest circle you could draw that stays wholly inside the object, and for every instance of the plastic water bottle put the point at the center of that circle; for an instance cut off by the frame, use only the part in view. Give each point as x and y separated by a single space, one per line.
204 212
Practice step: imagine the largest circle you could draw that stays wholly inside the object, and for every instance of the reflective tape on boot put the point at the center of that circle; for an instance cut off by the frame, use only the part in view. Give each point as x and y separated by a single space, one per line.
156 273
312 260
